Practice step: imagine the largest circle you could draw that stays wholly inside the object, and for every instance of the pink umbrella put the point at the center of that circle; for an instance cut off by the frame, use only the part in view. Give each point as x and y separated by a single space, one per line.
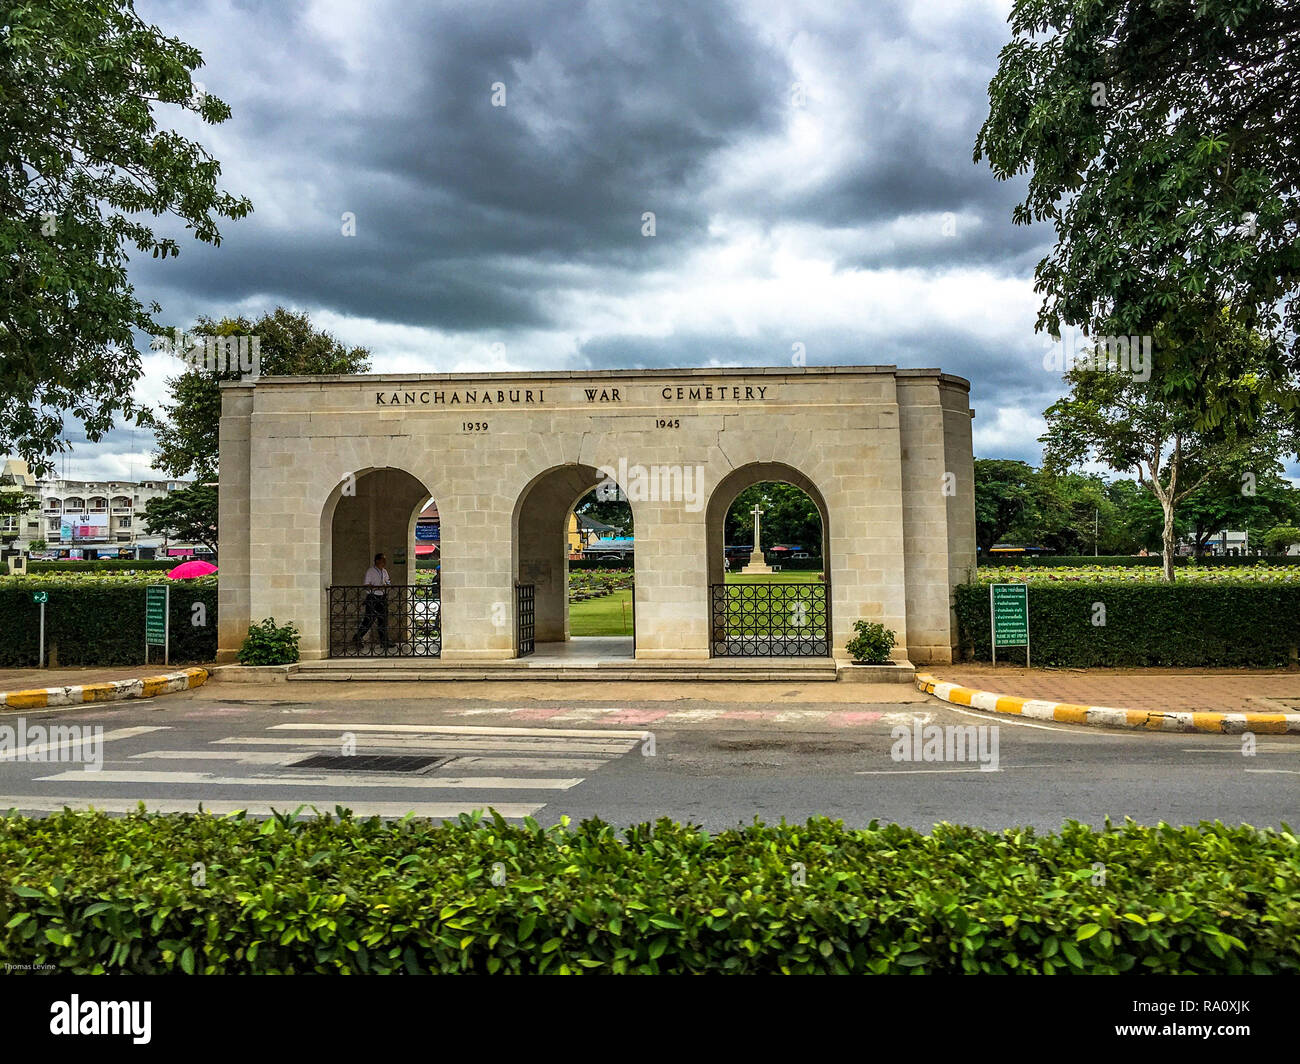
189 570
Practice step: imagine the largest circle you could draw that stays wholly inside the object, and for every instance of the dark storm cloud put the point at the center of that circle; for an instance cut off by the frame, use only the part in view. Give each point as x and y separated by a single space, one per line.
504 221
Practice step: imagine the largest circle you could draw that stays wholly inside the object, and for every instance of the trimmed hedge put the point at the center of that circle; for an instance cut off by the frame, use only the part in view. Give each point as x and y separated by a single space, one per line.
102 565
89 893
1182 624
1134 559
102 624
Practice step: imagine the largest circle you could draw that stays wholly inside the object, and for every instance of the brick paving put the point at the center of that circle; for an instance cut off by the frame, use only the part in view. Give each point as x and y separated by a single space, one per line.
1197 690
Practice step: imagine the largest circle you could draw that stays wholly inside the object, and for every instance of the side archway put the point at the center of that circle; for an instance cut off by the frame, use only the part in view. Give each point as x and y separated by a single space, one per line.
373 512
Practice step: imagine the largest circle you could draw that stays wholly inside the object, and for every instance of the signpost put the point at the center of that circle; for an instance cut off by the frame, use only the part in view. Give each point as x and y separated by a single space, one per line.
157 611
1009 617
41 597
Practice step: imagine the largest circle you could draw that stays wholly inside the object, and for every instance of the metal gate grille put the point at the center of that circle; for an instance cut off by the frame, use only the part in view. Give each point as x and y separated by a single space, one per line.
770 621
404 622
525 617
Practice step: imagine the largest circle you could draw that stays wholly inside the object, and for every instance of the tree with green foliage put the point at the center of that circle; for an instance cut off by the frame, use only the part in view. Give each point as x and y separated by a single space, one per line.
289 345
84 163
1234 500
617 513
1162 142
1129 424
1280 538
1138 522
187 514
1006 497
13 506
189 438
790 517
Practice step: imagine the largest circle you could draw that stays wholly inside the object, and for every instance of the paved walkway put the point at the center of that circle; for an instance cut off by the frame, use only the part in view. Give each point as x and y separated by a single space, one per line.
26 679
1169 690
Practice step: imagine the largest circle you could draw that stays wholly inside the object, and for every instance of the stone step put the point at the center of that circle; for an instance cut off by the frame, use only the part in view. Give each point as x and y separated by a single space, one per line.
729 672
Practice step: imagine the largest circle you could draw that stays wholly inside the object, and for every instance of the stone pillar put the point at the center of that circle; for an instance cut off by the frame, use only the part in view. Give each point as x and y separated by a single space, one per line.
234 607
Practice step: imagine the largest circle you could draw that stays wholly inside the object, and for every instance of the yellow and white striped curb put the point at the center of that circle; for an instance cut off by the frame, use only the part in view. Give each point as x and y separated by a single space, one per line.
1106 717
111 691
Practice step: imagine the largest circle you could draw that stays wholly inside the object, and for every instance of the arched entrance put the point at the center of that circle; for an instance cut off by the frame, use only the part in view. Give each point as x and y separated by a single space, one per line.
371 513
767 603
543 534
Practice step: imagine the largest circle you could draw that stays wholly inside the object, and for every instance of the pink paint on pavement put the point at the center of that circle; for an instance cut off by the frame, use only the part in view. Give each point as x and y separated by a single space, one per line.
636 716
537 714
853 718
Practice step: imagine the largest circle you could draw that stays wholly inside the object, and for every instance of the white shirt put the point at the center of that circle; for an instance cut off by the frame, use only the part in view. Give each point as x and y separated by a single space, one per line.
377 577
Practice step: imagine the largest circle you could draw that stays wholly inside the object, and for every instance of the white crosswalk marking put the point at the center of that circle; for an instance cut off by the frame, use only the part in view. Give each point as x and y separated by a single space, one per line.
527 766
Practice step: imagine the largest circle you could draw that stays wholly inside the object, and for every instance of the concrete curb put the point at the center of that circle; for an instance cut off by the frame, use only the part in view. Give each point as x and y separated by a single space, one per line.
1106 717
111 691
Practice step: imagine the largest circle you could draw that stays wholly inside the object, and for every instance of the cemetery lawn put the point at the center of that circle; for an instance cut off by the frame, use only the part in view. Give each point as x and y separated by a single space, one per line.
608 615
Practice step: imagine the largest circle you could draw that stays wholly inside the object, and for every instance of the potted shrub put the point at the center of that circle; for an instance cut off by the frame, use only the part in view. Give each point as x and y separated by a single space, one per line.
871 644
270 644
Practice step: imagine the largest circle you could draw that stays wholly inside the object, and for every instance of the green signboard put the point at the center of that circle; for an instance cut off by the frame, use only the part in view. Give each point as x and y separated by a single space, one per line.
40 596
155 615
1009 616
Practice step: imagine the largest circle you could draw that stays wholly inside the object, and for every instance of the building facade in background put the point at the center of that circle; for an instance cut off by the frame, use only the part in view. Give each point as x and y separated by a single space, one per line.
85 518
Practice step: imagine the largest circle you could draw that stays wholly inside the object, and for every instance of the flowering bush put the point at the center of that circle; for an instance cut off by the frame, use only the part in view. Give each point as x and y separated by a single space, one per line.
1141 574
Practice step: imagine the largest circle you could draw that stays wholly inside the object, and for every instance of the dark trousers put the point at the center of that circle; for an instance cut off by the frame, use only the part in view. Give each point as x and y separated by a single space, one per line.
376 615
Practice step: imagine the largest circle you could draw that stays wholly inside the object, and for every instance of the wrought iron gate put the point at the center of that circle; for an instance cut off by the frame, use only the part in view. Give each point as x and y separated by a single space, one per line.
770 620
404 622
525 618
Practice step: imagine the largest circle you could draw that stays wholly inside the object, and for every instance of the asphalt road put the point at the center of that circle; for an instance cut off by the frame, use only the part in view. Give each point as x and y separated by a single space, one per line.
714 763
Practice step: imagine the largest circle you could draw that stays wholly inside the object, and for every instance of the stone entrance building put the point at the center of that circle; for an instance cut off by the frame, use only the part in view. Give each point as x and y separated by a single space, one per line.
318 474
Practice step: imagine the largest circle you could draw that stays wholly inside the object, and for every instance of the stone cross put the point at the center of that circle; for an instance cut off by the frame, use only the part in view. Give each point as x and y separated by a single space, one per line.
758 518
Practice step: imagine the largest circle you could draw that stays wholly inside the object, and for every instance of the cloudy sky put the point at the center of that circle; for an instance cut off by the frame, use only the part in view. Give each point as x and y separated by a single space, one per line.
808 166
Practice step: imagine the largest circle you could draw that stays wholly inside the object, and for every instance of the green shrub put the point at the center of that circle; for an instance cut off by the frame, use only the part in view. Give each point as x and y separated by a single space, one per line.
89 893
1133 559
270 644
872 643
1184 624
102 623
103 565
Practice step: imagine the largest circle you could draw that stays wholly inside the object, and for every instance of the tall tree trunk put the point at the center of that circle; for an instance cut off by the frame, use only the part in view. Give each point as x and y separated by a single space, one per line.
1167 538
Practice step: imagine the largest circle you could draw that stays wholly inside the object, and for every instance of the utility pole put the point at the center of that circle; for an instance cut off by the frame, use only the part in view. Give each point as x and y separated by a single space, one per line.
1096 521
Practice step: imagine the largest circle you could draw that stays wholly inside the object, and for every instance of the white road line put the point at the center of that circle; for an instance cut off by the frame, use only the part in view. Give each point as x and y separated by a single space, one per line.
243 757
939 771
614 749
1275 771
259 757
423 783
468 730
25 753
526 764
45 803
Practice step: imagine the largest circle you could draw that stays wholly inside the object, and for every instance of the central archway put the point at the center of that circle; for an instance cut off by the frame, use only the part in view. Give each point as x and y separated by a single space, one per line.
541 542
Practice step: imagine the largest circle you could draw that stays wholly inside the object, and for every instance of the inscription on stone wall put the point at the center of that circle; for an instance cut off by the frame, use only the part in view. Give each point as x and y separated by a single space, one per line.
673 393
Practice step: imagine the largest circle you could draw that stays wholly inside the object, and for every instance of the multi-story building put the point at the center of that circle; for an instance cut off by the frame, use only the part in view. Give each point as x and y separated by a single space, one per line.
85 518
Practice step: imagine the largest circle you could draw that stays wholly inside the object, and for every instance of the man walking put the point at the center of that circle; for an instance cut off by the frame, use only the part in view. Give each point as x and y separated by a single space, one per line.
377 582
